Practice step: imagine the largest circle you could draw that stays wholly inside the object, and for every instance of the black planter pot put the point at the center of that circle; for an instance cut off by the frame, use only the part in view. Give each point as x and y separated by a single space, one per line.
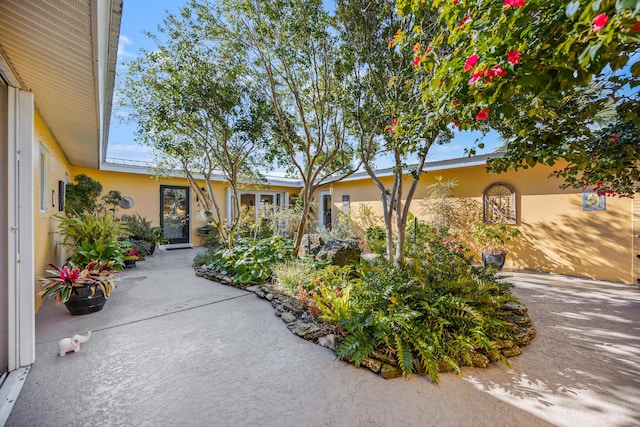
130 263
152 248
85 300
496 260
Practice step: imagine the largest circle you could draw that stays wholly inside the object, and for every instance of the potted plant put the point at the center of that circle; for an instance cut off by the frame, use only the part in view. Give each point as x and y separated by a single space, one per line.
131 253
141 230
492 240
82 290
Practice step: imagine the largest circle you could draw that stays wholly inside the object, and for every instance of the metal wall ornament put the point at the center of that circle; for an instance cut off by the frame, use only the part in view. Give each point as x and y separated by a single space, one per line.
499 204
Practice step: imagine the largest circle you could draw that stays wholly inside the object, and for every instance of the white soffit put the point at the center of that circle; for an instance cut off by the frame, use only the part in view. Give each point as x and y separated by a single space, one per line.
51 48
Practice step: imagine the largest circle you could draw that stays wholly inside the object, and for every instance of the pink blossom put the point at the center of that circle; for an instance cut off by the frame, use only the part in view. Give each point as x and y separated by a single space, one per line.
497 71
471 61
599 22
475 77
514 3
514 56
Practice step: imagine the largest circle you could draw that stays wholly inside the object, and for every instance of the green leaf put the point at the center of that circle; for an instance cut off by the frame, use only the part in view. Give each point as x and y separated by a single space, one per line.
572 8
596 5
528 80
635 69
634 5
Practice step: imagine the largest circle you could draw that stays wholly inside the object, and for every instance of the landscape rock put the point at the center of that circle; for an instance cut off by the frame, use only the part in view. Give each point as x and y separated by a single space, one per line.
372 364
308 331
479 360
328 341
513 351
257 290
288 317
516 308
389 371
340 252
524 335
504 344
311 244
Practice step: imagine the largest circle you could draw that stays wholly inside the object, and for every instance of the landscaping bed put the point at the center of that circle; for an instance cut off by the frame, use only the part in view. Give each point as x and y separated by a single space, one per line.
305 319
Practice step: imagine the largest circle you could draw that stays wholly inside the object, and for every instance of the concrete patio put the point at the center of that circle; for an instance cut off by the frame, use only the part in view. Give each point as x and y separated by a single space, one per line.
170 348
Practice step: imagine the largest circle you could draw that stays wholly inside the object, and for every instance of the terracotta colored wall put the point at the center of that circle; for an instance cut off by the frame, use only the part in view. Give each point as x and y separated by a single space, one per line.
558 236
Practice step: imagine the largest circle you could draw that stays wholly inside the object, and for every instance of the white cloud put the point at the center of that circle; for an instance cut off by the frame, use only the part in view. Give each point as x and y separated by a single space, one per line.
123 42
130 151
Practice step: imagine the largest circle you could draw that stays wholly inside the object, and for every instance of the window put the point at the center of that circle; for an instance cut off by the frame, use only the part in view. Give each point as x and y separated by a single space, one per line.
346 204
43 183
499 204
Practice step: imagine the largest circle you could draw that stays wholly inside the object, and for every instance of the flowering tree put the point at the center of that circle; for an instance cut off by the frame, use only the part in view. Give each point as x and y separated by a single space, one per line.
520 64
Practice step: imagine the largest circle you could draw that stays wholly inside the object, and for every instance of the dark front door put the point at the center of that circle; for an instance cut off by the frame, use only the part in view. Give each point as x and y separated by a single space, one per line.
174 213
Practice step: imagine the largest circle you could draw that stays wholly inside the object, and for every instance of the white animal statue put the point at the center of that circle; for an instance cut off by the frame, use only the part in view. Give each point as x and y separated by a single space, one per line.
73 344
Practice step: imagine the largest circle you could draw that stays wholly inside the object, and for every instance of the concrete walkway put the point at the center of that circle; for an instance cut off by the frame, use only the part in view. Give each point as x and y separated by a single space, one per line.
173 349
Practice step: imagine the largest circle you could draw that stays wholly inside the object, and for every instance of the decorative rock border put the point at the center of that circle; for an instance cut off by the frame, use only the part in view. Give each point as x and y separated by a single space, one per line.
304 325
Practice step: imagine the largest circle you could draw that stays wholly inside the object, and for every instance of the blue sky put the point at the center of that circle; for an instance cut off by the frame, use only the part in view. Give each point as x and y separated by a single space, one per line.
145 15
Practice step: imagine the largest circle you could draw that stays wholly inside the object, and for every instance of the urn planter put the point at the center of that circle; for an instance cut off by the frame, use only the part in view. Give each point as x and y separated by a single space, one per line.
85 300
496 260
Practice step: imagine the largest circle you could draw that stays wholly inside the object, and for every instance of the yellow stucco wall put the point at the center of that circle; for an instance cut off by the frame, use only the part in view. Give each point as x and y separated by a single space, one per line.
145 191
46 249
557 235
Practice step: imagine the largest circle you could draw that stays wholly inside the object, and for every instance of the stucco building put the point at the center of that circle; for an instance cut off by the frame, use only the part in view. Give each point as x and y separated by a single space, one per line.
57 68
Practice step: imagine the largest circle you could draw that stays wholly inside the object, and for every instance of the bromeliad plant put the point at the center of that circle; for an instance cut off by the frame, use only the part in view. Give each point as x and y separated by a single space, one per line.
62 280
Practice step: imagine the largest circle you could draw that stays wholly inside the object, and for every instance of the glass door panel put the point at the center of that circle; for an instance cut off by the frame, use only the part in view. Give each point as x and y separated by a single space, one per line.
174 218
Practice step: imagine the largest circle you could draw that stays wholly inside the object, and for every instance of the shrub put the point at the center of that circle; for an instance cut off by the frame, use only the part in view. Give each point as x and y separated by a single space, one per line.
102 251
81 196
92 237
310 275
435 309
291 273
251 260
141 229
375 237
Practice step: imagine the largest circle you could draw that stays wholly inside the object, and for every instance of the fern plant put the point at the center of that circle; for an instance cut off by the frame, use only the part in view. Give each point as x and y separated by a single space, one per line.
434 309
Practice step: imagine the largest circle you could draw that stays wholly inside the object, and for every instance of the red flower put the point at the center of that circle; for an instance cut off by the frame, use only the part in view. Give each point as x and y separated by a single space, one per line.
417 47
599 22
455 1
471 61
497 71
464 20
482 114
394 123
514 3
416 61
475 77
636 27
514 56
